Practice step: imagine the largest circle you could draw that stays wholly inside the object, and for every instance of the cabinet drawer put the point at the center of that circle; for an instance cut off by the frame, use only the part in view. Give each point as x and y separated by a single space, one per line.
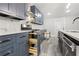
7 52
6 38
6 44
12 54
22 37
6 47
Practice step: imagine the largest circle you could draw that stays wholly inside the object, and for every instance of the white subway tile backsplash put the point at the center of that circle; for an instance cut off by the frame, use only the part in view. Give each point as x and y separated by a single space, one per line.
10 24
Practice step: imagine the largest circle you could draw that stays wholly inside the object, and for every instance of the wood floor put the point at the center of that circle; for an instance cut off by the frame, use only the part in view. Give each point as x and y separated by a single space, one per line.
50 47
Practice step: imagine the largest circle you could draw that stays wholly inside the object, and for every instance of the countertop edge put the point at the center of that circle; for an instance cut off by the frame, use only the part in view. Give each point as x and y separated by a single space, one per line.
15 32
76 38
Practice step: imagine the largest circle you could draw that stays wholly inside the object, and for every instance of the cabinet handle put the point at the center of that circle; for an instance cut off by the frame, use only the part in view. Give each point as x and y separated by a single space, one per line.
27 43
73 48
7 53
8 38
4 41
22 36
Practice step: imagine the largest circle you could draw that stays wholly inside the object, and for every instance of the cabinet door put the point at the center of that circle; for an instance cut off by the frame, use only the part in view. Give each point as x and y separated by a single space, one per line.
4 6
33 9
12 8
23 49
22 37
39 42
21 45
39 19
20 10
38 15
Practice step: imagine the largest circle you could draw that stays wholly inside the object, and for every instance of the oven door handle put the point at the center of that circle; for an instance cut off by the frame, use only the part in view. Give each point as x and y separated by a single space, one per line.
71 46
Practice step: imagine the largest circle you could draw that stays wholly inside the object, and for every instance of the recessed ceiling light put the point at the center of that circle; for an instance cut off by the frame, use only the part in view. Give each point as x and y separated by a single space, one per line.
67 11
48 13
68 5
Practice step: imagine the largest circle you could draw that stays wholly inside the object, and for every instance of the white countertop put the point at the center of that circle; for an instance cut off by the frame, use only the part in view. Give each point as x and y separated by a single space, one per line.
13 32
72 34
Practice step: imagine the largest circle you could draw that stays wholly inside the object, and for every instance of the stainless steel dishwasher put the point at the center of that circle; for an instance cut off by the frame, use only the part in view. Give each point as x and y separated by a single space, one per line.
69 48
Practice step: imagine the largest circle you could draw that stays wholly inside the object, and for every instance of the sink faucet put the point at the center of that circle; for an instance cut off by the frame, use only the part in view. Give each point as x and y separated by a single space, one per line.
75 19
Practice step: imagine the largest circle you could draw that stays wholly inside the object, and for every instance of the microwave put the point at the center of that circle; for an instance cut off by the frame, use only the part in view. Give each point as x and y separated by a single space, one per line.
25 27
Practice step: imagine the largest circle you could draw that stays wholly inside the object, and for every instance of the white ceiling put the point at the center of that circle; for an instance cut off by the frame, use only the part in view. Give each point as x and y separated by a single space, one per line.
54 10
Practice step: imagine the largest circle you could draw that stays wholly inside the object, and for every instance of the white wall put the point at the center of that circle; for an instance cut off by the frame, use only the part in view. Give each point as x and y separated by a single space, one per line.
52 25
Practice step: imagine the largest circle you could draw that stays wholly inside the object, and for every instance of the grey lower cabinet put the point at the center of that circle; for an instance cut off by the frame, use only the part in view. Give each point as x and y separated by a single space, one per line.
14 44
7 45
22 44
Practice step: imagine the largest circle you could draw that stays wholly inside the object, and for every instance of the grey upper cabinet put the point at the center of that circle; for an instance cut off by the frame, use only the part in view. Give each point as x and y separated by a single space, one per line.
12 8
20 10
37 15
4 7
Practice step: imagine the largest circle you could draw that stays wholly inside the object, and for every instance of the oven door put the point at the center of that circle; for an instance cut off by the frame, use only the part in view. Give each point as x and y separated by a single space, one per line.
69 48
